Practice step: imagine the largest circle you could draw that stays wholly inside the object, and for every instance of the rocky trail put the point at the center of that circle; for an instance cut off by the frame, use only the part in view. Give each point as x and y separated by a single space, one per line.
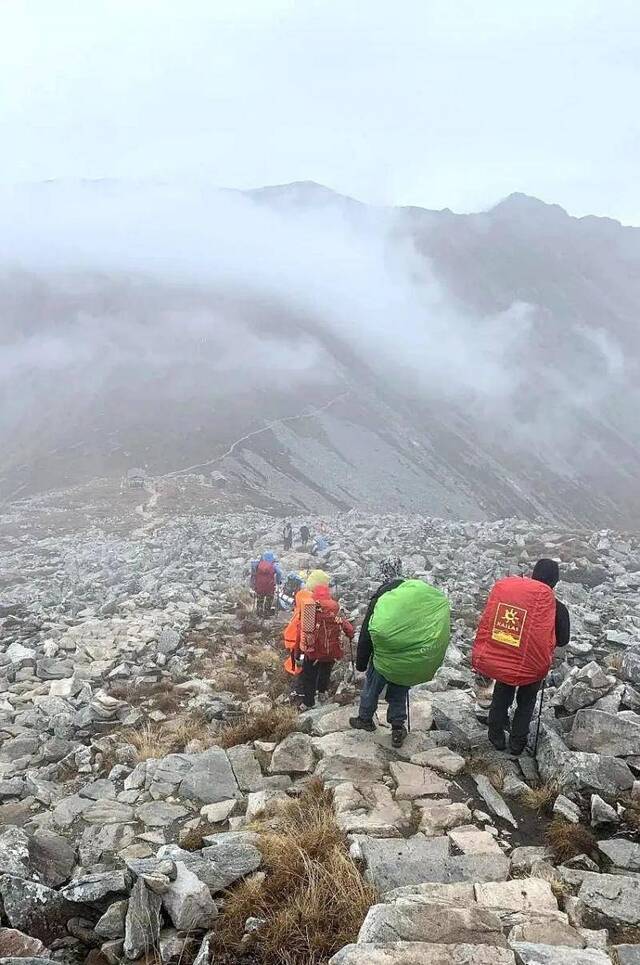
158 793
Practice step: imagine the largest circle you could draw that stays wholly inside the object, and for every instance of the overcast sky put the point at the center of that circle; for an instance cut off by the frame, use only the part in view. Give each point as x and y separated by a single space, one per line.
441 103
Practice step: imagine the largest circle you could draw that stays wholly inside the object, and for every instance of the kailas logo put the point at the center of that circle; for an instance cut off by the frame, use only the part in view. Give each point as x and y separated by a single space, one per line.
509 624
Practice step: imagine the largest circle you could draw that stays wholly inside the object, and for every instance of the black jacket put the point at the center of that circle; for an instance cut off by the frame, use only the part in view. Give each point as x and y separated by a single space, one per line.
563 625
365 643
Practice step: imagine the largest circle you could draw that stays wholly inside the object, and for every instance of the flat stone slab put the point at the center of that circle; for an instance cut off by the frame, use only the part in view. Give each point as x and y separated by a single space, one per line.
521 894
440 759
210 778
528 953
474 842
369 809
600 733
627 954
333 770
410 922
420 953
403 862
606 901
622 853
413 781
438 818
355 744
431 892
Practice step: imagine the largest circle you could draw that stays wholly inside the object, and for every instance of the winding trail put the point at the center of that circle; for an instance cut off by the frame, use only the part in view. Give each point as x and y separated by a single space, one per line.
256 432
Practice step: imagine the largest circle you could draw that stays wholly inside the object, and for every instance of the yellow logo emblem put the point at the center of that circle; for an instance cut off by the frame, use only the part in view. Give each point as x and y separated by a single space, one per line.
508 625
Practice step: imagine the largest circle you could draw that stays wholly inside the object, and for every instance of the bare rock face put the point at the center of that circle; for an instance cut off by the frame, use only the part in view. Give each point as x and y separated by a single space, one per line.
142 924
602 733
188 901
16 944
34 909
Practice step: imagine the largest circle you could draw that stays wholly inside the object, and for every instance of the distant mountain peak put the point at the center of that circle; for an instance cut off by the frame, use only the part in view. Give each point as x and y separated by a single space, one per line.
521 204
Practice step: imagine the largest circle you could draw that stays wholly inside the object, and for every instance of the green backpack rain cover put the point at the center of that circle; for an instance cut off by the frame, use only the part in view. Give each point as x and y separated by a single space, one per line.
410 632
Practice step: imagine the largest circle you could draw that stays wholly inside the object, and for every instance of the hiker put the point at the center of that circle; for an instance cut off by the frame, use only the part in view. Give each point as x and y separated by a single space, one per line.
266 577
287 536
402 642
318 643
291 587
305 535
293 663
520 627
320 546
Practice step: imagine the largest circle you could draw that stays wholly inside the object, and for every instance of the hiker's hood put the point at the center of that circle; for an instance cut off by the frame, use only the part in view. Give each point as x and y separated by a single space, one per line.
317 578
269 557
546 571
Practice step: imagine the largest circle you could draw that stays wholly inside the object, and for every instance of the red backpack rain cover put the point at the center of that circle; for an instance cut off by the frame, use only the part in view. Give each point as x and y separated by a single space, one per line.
265 578
516 636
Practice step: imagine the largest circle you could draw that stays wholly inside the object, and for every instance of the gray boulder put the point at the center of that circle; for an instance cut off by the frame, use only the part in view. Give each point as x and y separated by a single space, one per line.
601 733
579 771
188 901
111 924
421 953
622 853
293 755
52 856
35 909
528 953
210 778
94 887
142 924
425 922
609 901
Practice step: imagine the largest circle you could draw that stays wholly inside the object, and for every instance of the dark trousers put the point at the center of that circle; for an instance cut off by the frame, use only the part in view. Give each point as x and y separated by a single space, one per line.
374 684
264 604
503 695
315 678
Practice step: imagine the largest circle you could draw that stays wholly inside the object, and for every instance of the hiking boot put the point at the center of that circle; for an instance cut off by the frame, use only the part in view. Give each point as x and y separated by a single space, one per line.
398 735
516 747
359 724
497 738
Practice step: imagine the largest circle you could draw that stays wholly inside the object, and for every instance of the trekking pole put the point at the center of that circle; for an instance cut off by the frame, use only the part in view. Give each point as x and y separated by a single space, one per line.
353 664
408 714
535 746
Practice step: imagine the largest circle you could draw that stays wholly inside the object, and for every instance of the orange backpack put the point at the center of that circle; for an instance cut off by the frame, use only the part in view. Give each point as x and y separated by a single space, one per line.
321 626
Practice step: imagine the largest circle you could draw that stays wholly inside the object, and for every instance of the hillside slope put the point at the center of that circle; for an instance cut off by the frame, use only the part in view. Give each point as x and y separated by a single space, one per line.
325 353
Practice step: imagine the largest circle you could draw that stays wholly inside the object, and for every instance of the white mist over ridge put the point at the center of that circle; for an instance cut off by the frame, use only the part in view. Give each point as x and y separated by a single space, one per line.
222 311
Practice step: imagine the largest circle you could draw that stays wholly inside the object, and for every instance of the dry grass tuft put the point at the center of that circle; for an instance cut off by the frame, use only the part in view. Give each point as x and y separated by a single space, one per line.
566 840
540 798
192 840
169 737
274 724
312 897
614 661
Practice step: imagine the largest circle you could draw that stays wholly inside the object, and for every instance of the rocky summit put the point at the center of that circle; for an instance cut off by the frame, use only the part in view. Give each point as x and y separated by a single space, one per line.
148 751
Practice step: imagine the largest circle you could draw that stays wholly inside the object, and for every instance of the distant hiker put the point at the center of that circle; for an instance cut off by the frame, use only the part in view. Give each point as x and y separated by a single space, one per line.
305 535
292 585
320 546
518 632
318 633
266 578
402 642
287 536
390 569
